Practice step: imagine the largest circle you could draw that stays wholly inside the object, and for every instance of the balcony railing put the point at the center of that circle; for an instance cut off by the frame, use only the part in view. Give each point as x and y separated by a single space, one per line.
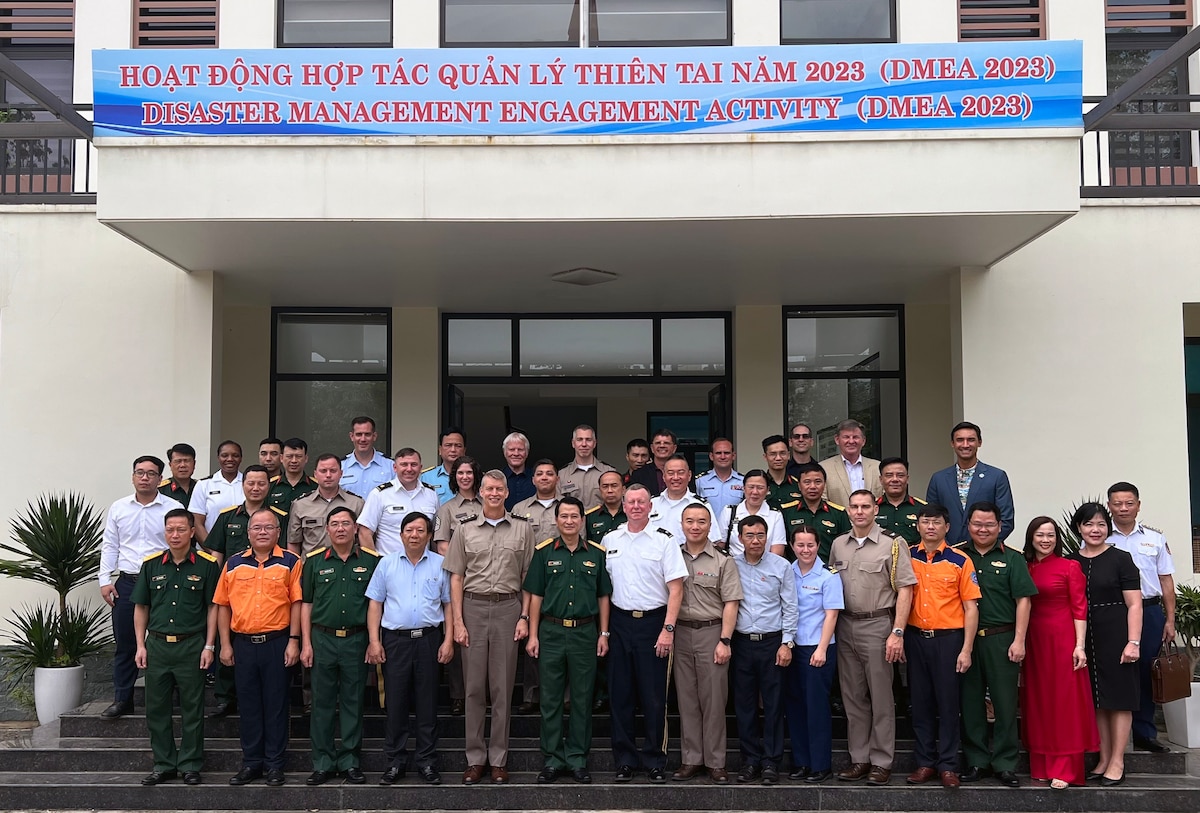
1147 149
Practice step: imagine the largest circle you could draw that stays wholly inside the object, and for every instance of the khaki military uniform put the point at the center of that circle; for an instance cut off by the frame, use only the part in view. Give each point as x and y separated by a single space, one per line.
283 493
582 484
306 519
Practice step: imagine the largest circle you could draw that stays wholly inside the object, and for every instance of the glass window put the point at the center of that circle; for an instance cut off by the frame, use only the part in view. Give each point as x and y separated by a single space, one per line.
335 22
587 347
824 402
837 21
329 367
683 22
510 22
693 347
479 347
843 342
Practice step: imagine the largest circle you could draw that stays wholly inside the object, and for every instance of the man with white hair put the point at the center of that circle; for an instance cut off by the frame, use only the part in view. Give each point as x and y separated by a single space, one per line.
520 478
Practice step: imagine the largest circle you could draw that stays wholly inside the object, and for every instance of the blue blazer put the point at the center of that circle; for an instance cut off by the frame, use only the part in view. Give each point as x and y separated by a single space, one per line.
990 484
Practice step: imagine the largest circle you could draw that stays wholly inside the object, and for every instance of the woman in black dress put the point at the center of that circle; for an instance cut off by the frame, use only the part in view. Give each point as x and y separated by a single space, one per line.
1114 598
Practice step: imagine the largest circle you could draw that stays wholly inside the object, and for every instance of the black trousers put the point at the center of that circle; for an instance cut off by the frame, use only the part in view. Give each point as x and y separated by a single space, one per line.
637 676
125 671
410 678
753 673
262 691
934 688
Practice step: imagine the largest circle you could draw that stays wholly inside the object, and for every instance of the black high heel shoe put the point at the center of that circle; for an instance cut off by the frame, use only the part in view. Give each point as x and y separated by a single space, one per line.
1112 783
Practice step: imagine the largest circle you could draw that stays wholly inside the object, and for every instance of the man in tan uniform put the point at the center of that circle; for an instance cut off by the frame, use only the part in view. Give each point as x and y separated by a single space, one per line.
581 477
487 561
877 579
703 635
306 520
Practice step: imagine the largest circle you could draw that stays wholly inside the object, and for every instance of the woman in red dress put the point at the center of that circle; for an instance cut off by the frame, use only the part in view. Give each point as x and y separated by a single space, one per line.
1057 714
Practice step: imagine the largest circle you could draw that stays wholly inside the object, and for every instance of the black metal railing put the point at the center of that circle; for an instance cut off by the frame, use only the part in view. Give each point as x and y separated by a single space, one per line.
43 161
1145 148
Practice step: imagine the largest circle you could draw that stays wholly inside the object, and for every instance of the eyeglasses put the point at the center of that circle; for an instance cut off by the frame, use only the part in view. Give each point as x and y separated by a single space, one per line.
985 526
799 436
262 529
345 524
754 537
146 475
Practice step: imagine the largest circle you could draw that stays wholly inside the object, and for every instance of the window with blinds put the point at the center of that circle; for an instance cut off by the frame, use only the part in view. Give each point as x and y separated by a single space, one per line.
175 23
1001 20
1148 16
36 23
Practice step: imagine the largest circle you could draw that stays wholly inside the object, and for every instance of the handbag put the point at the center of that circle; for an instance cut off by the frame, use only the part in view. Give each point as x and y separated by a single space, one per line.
1171 675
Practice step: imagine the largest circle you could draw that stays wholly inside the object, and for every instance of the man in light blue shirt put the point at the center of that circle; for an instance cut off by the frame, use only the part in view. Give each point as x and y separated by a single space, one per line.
722 484
366 467
452 445
762 650
410 597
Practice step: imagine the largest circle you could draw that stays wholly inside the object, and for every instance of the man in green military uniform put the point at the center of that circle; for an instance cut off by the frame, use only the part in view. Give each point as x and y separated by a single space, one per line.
179 486
333 623
569 587
1006 586
292 483
897 508
812 509
782 488
609 513
227 538
175 626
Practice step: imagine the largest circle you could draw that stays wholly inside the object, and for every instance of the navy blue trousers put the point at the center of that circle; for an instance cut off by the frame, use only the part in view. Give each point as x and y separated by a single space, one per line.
753 673
1154 618
935 690
262 691
810 721
125 671
410 679
637 676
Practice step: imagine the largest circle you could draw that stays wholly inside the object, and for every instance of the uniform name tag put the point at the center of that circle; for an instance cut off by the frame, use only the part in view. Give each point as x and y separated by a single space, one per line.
554 563
325 572
396 509
193 578
158 578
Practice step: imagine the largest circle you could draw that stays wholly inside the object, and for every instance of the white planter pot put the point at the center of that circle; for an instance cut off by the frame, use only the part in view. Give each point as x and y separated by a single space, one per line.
1183 719
57 690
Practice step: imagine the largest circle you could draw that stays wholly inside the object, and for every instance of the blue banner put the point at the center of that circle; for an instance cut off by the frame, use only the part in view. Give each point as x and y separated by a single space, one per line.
597 91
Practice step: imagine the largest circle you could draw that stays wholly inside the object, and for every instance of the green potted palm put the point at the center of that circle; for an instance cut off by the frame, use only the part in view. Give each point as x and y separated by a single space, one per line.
55 542
1183 716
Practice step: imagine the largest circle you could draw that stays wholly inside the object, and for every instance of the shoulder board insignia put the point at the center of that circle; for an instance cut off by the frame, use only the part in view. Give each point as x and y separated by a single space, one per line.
431 488
164 482
596 545
518 516
1152 528
593 509
371 552
275 479
154 555
425 471
920 501
961 545
230 508
665 533
279 511
384 486
206 555
541 545
701 474
791 504
889 532
835 505
700 498
879 501
316 552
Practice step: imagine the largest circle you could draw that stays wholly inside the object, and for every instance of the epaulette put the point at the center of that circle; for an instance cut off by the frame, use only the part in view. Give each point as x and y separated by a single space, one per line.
1152 528
835 505
518 516
425 471
963 545
597 545
541 545
315 551
154 555
699 498
275 479
431 488
279 511
384 486
891 533
371 551
230 508
164 482
701 474
593 509
203 554
791 504
668 534
921 501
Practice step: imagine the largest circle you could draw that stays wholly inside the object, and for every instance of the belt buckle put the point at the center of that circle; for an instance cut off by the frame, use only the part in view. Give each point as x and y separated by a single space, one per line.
927 633
171 639
756 636
570 622
638 614
416 633
339 633
258 639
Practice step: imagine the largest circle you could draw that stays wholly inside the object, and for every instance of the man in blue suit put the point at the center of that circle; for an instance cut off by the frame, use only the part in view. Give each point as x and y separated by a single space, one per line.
969 481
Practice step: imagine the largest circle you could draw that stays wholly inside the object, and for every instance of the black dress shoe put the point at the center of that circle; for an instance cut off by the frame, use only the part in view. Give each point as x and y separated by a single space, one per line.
528 707
600 706
1095 776
317 778
799 772
770 775
836 708
547 775
749 773
1153 746
458 707
1112 783
657 775
158 777
1009 779
118 709
625 773
354 775
974 774
581 776
245 776
429 775
391 775
817 777
191 778
275 778
222 710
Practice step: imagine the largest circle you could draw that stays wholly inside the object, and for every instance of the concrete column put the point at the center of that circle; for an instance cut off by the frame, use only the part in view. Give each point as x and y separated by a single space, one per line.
416 381
245 372
929 389
927 20
756 22
757 376
416 24
99 24
248 24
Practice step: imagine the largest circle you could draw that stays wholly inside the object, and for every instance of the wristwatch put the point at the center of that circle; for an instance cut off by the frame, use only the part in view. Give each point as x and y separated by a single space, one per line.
726 641
1135 643
605 633
898 631
522 618
210 648
668 627
789 644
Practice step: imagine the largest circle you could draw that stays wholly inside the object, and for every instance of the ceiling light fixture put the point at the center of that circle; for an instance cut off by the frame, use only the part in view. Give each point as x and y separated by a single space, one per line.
584 277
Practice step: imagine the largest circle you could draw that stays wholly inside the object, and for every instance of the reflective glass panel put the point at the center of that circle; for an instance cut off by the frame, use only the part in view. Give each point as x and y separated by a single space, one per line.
479 347
319 411
693 347
337 22
837 20
532 22
314 344
660 21
843 342
823 403
587 347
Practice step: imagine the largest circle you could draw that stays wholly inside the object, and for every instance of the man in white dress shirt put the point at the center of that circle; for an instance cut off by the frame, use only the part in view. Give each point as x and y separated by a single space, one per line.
848 471
388 504
666 510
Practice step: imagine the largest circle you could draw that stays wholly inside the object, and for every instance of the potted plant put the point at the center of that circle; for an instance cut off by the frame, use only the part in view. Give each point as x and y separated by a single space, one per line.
55 542
1183 716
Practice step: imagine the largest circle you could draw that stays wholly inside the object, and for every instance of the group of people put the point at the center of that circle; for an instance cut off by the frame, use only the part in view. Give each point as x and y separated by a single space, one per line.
798 586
